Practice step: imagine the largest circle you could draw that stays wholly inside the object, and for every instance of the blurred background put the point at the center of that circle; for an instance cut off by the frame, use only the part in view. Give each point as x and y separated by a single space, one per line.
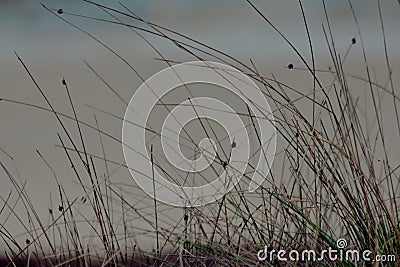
231 25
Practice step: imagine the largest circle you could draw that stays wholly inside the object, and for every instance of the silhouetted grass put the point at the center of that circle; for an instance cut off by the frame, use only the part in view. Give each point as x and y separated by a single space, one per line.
332 176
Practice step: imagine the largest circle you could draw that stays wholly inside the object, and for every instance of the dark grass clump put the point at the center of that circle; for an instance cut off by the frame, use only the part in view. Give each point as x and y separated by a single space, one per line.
332 177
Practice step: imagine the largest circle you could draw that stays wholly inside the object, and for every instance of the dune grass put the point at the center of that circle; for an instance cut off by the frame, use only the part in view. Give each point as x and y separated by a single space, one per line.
332 177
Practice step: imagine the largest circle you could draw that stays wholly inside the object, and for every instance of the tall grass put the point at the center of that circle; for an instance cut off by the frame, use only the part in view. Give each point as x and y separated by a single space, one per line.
332 177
